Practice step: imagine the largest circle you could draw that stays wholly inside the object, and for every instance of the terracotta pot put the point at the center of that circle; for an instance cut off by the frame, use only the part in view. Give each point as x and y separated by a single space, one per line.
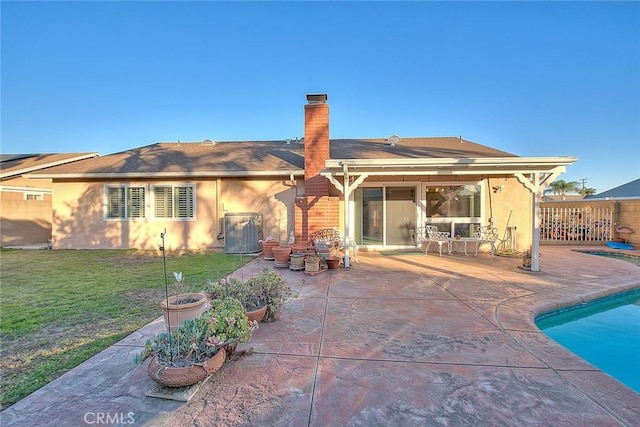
258 314
281 254
176 308
333 263
267 247
169 376
298 248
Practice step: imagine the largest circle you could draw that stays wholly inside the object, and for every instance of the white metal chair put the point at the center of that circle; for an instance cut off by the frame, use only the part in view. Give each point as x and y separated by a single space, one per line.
487 234
439 237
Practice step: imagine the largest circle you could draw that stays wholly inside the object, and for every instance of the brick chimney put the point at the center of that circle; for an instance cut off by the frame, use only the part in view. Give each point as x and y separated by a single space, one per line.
317 210
316 144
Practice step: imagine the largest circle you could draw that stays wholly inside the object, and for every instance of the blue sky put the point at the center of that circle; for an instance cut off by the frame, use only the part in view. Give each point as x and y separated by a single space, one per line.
530 78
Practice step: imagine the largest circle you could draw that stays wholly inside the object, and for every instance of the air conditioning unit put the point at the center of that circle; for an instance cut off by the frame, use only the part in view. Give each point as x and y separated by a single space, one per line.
242 232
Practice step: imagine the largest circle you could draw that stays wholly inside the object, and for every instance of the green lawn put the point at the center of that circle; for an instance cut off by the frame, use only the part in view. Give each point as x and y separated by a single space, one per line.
59 308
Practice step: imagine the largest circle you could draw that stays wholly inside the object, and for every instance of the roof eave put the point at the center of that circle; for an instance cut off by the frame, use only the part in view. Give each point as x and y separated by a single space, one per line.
448 166
24 171
137 175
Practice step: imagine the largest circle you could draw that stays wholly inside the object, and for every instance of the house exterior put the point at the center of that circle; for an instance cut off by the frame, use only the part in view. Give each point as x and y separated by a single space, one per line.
391 186
25 204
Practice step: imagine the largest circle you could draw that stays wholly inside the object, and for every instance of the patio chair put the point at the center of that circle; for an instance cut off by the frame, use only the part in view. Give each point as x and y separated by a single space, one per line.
487 234
439 237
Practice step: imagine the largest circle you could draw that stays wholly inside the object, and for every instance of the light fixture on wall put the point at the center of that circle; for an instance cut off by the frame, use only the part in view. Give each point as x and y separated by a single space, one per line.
497 188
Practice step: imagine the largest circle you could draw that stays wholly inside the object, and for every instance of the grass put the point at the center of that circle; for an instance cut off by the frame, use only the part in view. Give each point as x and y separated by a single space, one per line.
59 308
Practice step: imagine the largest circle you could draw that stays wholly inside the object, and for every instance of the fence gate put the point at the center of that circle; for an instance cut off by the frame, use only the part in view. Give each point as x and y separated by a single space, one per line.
566 225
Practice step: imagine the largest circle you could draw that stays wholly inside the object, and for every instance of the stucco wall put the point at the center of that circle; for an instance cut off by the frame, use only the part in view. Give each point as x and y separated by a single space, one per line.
511 205
79 223
78 215
24 222
273 199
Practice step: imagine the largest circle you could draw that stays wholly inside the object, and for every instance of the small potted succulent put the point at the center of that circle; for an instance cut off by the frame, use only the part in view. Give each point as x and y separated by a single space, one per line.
196 348
262 296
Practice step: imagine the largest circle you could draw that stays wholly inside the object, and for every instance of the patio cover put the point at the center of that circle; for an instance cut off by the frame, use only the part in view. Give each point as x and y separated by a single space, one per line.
535 173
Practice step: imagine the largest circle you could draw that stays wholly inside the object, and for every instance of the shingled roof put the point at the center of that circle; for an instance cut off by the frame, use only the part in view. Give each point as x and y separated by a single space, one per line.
246 158
17 164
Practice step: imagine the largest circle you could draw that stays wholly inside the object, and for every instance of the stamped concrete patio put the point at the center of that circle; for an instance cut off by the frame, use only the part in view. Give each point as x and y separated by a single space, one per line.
402 339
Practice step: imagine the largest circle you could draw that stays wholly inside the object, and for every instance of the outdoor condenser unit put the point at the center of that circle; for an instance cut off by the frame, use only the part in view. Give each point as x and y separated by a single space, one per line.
242 232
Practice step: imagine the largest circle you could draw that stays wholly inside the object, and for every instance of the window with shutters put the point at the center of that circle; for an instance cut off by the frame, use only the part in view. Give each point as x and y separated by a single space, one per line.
126 202
174 201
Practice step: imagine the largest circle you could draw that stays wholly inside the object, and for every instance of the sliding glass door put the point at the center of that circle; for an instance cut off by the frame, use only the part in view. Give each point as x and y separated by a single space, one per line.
385 215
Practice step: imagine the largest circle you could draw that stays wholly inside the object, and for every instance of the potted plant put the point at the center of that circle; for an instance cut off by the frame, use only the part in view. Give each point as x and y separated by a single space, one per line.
312 264
281 255
182 306
196 348
262 296
267 246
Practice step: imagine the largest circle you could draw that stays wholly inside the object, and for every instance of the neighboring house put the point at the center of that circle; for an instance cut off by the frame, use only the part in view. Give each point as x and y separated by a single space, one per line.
394 185
25 204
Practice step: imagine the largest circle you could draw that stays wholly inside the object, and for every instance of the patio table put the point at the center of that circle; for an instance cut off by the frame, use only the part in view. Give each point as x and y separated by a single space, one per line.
464 240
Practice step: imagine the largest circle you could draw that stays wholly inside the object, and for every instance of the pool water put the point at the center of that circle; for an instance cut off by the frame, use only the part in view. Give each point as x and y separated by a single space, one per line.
606 333
634 259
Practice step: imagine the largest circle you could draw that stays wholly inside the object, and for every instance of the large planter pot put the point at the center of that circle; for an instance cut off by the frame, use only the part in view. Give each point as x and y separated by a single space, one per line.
267 247
281 254
170 376
179 307
298 248
258 314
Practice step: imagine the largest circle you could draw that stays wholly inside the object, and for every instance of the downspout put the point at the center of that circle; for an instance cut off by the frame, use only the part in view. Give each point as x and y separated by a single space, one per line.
347 227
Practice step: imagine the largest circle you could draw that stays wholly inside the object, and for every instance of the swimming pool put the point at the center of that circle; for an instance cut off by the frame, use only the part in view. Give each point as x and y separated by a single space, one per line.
604 332
634 259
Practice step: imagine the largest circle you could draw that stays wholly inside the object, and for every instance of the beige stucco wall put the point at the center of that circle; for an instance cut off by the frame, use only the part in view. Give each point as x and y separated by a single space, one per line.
274 199
24 222
512 207
79 223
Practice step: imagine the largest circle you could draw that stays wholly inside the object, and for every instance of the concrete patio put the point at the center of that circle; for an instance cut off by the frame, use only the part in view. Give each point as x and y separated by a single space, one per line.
402 339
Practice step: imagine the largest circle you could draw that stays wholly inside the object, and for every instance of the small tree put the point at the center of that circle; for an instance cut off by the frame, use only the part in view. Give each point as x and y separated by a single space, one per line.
562 187
587 191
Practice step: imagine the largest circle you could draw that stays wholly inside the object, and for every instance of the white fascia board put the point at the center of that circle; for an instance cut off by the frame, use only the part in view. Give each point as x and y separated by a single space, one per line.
14 189
396 172
451 162
212 174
